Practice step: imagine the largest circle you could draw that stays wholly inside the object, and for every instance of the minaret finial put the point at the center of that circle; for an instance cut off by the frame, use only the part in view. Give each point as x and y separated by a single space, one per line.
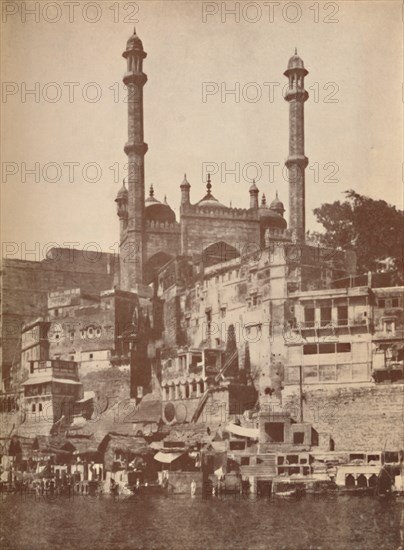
151 191
208 185
123 183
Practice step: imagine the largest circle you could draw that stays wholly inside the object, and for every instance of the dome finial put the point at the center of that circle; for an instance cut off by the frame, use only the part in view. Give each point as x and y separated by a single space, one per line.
263 200
151 191
208 185
295 51
277 194
123 183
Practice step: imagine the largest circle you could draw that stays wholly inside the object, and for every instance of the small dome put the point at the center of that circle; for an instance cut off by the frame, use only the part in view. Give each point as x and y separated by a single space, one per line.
277 205
295 62
209 200
134 42
185 182
122 193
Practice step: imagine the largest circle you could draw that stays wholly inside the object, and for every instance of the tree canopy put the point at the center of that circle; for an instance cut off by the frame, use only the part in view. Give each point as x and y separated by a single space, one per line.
372 228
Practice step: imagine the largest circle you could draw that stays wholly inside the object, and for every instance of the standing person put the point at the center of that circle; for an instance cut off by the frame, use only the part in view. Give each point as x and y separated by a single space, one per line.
193 488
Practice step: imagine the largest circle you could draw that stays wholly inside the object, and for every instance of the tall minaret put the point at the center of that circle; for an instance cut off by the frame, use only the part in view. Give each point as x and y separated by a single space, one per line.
296 162
132 240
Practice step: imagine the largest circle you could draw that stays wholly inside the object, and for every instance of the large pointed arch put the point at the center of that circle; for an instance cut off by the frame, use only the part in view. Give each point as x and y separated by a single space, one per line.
219 252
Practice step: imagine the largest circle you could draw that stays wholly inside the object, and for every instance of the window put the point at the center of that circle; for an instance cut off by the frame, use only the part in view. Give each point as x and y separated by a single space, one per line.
309 317
309 349
56 313
326 348
33 407
90 355
344 347
208 316
275 431
245 461
342 312
31 367
395 302
40 407
72 358
325 315
222 312
298 438
381 302
389 327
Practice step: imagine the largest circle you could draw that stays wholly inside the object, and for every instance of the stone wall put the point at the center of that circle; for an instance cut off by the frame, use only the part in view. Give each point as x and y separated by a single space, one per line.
357 417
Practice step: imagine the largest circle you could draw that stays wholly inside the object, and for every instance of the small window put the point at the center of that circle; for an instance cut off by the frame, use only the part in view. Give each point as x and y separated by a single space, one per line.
344 347
245 461
56 313
310 349
298 438
309 317
208 316
342 315
381 302
33 407
222 312
325 315
326 348
90 355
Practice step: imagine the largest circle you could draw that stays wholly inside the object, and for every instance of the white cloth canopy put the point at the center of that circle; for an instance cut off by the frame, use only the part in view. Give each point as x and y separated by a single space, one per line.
167 458
252 433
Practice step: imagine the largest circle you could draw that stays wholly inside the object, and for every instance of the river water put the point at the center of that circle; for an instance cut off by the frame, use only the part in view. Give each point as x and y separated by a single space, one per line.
182 522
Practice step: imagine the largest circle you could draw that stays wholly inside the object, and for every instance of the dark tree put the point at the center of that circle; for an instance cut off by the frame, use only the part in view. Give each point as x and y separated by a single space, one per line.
372 228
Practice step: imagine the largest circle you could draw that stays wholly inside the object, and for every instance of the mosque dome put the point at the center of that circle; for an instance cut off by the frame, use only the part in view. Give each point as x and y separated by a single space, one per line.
209 201
269 217
158 211
277 205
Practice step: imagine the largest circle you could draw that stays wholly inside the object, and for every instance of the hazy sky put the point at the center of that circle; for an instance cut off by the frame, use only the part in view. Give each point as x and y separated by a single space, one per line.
356 62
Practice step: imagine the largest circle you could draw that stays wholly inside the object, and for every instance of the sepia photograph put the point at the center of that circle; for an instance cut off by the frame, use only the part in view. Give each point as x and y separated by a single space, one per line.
202 284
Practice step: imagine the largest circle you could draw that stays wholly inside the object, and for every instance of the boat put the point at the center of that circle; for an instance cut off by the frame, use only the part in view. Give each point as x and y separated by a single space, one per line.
288 489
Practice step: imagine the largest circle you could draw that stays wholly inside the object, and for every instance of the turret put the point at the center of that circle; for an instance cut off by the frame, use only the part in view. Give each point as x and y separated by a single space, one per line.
185 191
254 195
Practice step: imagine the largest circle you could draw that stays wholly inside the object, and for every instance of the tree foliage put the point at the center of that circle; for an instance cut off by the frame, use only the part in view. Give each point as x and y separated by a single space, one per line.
372 228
